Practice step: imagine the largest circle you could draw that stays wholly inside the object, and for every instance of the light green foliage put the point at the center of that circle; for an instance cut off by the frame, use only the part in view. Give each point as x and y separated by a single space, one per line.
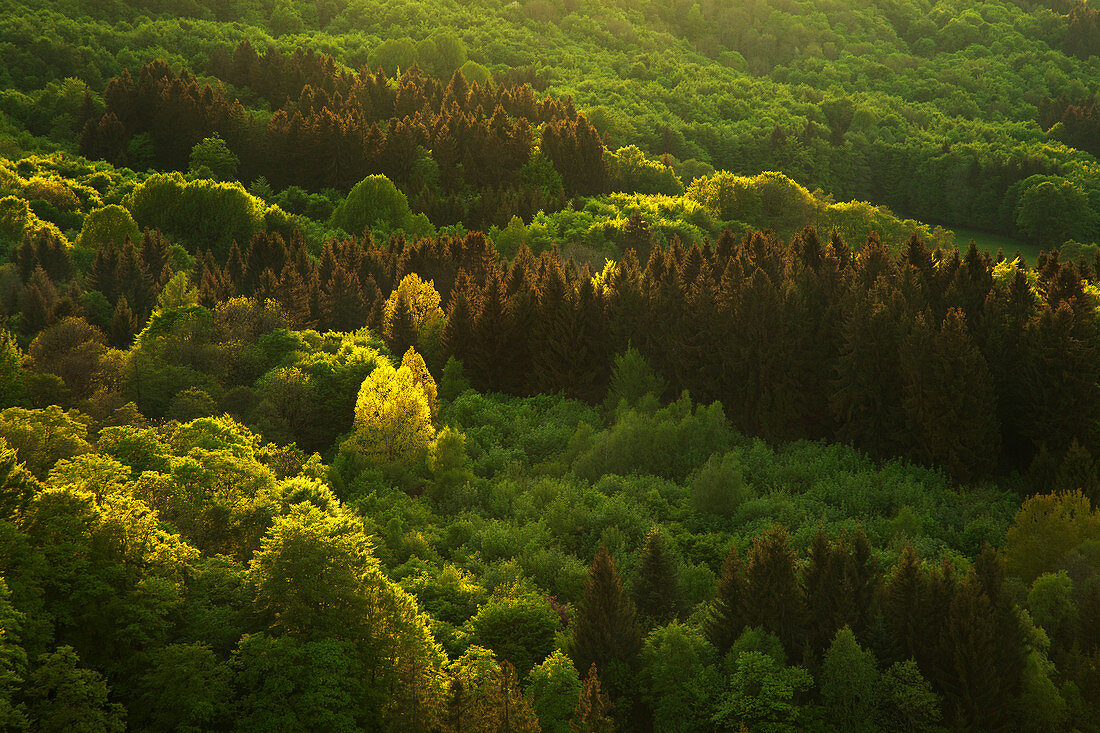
375 203
448 462
769 199
138 448
178 293
15 214
200 213
108 225
554 688
212 158
633 172
1040 705
669 443
760 694
315 578
393 420
757 640
677 678
1052 210
517 625
1051 605
13 392
42 437
1046 530
848 681
906 701
631 379
308 574
13 661
475 73
719 487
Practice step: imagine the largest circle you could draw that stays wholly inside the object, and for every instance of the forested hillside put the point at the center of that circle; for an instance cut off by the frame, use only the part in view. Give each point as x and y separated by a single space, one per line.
561 365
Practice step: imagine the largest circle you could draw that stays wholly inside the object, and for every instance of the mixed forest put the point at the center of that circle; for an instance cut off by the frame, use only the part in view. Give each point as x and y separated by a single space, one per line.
564 365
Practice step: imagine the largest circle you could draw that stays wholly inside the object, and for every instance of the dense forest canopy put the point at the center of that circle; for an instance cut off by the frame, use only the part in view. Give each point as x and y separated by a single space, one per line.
562 365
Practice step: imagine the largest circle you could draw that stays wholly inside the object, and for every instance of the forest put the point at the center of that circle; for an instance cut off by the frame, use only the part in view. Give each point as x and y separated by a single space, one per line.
552 365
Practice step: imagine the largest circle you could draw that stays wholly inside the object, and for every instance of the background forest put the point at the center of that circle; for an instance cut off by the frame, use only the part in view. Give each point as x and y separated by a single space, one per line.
565 366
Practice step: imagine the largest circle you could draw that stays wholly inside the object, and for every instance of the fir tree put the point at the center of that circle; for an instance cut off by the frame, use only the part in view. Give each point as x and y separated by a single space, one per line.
772 584
726 620
656 588
593 713
949 399
122 324
606 633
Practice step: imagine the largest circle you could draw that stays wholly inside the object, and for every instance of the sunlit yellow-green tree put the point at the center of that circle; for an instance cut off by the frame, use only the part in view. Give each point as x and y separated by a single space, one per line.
393 417
414 362
412 316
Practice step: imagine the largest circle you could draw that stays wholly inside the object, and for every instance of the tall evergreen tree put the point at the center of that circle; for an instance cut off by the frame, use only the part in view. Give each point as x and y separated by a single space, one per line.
606 632
656 588
726 619
122 324
593 713
949 399
773 589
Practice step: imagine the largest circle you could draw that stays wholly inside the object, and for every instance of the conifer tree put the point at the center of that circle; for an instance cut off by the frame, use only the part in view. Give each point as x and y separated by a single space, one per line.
656 588
1077 472
772 585
949 399
122 324
39 302
400 326
606 632
867 395
293 295
728 610
343 301
593 713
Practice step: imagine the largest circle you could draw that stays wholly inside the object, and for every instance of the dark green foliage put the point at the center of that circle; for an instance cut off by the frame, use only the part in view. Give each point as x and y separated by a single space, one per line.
606 632
728 609
656 586
62 696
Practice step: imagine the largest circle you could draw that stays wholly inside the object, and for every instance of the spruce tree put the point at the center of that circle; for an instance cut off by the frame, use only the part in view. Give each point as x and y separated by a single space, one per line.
606 632
1078 473
726 619
593 713
39 302
656 588
949 399
400 330
772 585
122 324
